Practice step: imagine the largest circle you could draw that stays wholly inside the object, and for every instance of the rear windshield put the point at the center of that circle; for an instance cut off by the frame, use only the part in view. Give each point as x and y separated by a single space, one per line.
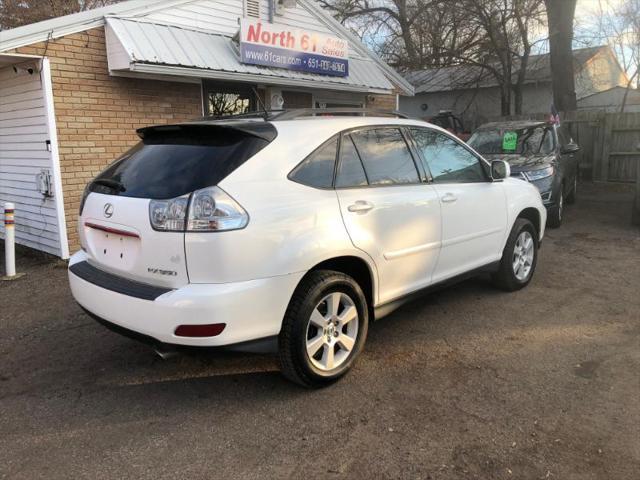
168 164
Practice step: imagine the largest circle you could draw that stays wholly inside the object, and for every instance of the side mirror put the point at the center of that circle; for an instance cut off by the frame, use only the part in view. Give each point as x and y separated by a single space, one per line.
500 170
570 148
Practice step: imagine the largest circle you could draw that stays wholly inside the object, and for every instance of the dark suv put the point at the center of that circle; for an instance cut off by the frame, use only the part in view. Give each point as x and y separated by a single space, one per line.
542 153
451 123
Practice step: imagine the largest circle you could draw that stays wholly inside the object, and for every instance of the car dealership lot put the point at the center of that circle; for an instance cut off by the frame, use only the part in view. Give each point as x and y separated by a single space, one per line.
469 382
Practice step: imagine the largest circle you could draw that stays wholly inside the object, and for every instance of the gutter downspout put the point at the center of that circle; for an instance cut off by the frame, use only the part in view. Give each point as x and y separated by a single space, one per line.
272 7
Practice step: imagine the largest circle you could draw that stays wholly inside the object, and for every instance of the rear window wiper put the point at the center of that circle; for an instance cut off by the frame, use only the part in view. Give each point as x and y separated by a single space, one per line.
110 183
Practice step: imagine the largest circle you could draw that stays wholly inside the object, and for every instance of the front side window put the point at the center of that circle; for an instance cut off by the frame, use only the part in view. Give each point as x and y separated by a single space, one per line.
448 161
385 156
317 169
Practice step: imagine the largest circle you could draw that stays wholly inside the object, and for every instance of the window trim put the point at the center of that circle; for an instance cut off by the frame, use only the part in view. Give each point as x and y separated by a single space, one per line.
485 164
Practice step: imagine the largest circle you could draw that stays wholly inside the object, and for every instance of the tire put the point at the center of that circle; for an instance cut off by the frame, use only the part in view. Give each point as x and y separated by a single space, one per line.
506 277
571 198
554 217
315 312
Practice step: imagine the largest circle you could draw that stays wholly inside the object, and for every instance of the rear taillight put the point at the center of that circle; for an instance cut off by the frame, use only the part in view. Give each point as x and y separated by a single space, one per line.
212 210
206 210
169 215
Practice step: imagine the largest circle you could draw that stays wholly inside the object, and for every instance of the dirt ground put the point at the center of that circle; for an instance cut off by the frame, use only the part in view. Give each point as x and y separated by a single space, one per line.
467 383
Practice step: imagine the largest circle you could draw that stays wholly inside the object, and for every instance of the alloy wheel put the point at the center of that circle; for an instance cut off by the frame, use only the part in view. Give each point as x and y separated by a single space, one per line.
523 253
332 331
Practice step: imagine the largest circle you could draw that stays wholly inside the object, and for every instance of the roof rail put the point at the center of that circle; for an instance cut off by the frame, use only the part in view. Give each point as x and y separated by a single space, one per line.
263 114
292 114
310 112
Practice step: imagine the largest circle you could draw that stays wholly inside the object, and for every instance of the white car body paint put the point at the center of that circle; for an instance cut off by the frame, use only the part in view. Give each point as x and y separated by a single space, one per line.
411 238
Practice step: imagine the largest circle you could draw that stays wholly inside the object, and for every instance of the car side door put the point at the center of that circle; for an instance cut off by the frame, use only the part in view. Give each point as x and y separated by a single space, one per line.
389 211
473 207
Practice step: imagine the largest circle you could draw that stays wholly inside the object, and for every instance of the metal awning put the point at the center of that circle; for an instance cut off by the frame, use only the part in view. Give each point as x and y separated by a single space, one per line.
144 47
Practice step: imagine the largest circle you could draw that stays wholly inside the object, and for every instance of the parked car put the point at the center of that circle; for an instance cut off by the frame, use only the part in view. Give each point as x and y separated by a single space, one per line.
451 123
542 153
293 232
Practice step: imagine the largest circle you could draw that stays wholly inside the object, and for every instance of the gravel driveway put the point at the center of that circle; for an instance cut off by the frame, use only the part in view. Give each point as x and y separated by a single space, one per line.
467 383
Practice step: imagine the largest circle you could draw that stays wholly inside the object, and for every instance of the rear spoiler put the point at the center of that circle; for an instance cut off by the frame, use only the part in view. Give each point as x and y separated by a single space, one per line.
263 130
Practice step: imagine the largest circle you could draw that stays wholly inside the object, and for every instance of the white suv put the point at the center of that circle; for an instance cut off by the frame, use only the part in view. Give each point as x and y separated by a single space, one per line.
293 231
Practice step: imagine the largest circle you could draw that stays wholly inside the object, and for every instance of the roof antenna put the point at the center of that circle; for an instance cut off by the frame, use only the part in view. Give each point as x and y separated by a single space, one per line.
261 103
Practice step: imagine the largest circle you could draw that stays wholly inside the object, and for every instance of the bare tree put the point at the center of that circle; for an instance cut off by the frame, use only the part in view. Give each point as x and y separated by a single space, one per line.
505 43
15 13
408 34
560 15
617 25
492 37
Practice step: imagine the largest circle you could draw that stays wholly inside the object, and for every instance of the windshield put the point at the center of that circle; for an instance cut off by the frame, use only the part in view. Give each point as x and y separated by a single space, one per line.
523 141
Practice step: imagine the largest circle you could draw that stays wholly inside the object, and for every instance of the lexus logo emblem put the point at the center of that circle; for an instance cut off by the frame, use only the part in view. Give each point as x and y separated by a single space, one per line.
108 210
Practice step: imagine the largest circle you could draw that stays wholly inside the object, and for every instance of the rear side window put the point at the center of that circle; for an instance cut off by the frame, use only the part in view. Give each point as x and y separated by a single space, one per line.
317 169
171 163
385 156
350 171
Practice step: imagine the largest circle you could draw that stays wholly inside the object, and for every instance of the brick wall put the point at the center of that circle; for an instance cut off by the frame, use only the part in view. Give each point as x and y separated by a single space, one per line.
97 114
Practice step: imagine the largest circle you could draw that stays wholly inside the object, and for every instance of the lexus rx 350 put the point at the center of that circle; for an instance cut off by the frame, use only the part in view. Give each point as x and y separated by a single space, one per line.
293 231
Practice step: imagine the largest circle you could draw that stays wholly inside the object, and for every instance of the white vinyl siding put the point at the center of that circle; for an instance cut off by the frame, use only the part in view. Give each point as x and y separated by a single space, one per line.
221 17
217 16
23 154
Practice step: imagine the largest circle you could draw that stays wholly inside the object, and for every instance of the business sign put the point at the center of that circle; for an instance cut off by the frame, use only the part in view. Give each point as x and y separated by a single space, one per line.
280 46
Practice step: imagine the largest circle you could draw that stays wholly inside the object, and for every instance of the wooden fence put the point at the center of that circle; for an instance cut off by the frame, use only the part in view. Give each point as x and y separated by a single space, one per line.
635 214
609 143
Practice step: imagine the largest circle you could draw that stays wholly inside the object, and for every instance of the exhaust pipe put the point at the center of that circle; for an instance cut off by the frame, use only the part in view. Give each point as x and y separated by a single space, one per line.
165 352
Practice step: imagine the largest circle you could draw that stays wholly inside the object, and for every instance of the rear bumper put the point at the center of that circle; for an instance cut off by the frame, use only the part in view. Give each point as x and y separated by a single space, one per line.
251 310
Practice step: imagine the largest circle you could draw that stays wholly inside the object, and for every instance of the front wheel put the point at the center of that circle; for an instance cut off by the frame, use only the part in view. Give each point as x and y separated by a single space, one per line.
554 219
519 257
324 329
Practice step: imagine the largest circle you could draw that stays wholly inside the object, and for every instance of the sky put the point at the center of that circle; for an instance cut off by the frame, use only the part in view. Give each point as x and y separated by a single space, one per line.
586 7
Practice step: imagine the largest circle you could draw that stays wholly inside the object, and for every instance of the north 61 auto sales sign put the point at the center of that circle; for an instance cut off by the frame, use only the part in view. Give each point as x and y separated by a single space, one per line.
274 45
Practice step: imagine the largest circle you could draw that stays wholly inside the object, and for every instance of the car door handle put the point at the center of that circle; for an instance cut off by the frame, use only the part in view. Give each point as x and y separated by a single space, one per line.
360 207
449 198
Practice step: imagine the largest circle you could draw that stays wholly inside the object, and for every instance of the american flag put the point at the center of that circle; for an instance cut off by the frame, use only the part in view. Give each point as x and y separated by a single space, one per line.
554 117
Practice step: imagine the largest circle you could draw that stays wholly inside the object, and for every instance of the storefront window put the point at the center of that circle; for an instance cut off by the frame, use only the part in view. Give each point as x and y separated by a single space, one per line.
228 99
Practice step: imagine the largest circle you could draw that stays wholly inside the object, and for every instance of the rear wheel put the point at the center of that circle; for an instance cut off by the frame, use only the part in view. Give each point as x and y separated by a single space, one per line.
519 257
554 219
324 329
